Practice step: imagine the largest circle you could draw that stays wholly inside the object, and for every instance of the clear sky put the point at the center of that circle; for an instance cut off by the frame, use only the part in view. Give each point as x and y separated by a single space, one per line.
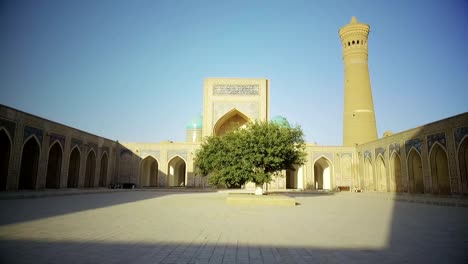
134 70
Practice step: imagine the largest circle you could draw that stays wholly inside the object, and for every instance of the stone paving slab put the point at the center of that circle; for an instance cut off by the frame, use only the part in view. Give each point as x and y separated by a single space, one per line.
198 227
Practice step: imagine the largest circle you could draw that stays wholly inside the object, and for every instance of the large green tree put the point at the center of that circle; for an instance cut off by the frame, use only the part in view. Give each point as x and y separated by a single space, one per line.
251 154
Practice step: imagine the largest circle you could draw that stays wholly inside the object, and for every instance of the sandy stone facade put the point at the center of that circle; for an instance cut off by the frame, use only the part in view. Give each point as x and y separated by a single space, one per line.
36 153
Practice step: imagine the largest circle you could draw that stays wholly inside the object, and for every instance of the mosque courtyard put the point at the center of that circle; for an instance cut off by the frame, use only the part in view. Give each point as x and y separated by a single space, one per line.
155 226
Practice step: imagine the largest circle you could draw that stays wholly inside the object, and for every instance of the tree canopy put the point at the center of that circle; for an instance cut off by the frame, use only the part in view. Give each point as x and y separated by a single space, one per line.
251 154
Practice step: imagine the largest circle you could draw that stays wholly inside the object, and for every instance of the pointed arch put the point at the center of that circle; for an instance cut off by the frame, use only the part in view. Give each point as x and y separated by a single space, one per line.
54 165
381 170
294 177
463 163
415 174
395 172
90 168
149 171
230 121
74 167
439 169
29 163
103 170
323 170
5 153
177 171
369 178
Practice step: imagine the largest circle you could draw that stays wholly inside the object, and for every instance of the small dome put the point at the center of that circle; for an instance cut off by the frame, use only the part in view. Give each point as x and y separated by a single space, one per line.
280 120
196 122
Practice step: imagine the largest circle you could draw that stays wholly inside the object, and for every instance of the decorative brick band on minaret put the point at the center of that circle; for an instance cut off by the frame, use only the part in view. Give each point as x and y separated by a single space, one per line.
359 124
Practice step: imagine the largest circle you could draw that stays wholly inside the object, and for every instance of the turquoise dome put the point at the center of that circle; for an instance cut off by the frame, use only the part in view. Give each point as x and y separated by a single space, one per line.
196 122
280 120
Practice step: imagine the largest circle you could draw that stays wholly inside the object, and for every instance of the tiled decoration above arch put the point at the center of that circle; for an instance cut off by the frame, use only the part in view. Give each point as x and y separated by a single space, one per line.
349 154
438 137
92 146
395 147
105 149
28 131
459 134
368 154
415 142
178 152
9 126
76 142
56 137
149 152
327 155
380 151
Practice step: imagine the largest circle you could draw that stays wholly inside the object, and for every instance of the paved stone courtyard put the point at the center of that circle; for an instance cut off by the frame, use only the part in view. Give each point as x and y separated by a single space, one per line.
199 227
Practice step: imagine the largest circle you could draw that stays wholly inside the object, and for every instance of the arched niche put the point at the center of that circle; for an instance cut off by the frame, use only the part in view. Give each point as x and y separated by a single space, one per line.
74 168
381 170
395 171
149 172
323 174
439 170
29 164
463 164
54 166
103 170
415 173
176 172
5 151
232 120
90 169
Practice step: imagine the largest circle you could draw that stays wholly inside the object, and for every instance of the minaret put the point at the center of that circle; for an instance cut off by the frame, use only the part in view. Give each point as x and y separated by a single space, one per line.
359 118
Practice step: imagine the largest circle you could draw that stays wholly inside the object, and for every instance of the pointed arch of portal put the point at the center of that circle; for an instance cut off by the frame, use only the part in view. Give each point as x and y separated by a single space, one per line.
369 178
5 151
415 174
177 171
323 170
439 169
149 171
230 121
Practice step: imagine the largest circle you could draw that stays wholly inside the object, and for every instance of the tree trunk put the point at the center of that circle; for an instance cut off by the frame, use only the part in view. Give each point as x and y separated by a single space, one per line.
258 188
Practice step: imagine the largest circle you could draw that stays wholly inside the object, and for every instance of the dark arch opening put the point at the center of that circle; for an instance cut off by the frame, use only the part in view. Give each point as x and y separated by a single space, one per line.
439 171
396 171
415 172
103 171
463 164
29 164
74 169
54 166
90 169
149 172
177 172
5 149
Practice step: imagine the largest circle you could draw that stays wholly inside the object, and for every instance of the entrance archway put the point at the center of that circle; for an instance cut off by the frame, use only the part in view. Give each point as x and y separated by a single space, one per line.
5 149
439 170
369 181
415 172
54 166
74 169
232 120
149 172
395 170
463 164
382 174
176 172
103 171
322 172
29 164
90 169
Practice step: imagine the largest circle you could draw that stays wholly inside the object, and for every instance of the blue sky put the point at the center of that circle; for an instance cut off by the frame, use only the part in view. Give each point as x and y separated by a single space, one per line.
134 70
